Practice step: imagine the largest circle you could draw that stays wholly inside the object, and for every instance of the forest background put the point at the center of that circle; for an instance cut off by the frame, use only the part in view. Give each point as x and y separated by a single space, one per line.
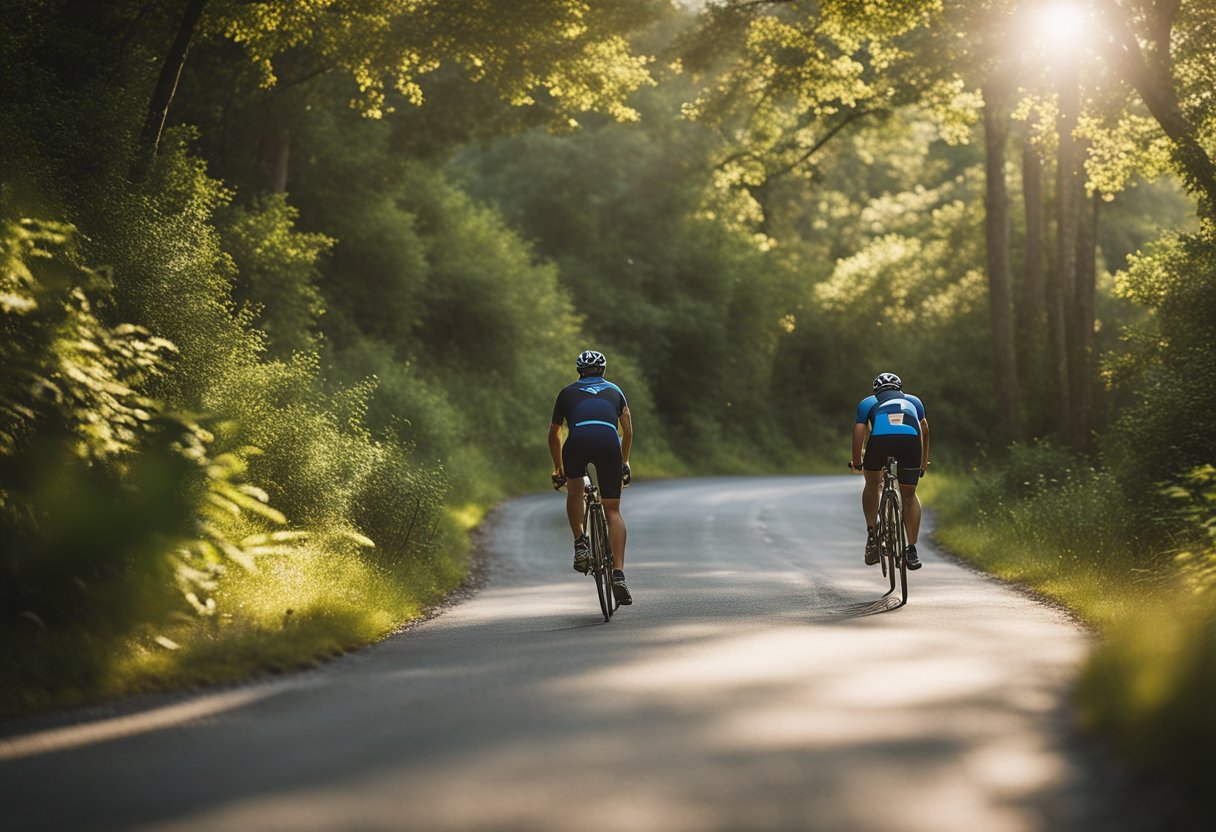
288 288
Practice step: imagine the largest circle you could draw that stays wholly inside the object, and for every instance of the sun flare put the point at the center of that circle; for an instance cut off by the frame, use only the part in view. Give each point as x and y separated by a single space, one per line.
1062 23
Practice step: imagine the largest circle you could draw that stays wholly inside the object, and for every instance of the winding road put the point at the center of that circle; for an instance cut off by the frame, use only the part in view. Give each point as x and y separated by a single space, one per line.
744 690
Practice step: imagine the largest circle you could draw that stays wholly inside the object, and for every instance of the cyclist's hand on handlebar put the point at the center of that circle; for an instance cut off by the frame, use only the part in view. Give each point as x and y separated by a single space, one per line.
626 475
855 467
559 480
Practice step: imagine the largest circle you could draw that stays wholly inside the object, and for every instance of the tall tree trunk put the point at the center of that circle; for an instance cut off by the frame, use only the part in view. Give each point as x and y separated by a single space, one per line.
1082 362
1000 294
170 73
282 154
1064 291
1030 304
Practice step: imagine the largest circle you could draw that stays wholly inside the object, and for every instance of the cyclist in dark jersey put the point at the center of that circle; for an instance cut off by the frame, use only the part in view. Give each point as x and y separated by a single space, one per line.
591 408
896 426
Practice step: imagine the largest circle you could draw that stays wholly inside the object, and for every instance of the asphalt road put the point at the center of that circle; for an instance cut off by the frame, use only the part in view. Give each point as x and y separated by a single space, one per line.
744 690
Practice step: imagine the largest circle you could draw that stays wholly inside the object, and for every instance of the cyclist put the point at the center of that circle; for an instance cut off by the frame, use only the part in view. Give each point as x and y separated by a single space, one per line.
896 426
591 408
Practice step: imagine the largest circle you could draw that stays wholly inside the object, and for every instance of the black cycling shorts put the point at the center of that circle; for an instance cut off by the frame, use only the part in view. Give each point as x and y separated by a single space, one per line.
903 446
600 446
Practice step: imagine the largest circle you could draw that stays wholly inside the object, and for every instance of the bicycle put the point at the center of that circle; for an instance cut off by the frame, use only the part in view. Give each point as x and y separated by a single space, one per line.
891 533
595 526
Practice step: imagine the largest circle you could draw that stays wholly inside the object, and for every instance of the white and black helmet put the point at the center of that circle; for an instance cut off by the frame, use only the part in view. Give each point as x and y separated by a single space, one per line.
888 381
590 360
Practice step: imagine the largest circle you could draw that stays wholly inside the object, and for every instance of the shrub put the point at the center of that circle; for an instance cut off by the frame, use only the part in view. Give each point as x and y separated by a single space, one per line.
1170 369
106 496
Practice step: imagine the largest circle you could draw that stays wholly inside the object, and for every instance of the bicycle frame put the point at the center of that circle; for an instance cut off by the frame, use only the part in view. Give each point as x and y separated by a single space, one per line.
595 526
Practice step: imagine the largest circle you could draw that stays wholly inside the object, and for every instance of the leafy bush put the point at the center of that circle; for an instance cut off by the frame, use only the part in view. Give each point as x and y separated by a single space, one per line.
1042 495
277 271
1169 368
106 496
1198 560
1148 688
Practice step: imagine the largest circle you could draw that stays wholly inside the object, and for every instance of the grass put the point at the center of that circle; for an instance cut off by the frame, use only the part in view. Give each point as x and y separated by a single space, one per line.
1093 571
292 613
1146 688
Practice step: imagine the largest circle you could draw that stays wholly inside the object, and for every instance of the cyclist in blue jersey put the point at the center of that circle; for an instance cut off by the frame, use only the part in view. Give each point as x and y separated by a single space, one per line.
592 408
891 423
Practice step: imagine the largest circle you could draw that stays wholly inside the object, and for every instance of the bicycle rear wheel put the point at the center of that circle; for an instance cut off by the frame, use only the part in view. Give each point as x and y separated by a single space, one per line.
601 560
895 540
890 523
881 533
901 558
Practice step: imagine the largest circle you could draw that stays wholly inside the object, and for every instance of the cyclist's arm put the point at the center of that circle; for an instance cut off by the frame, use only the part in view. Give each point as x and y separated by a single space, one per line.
555 447
860 429
626 434
924 444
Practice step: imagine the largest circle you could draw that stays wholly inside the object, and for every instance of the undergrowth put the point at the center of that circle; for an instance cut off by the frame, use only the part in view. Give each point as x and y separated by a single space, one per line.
1043 520
293 611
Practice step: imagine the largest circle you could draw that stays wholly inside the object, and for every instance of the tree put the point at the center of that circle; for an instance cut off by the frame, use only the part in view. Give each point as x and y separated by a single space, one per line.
1063 289
1030 304
996 232
573 55
1163 49
781 79
170 74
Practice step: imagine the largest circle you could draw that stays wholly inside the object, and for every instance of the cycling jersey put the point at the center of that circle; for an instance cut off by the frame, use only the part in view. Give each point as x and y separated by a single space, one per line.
891 412
894 420
589 402
592 407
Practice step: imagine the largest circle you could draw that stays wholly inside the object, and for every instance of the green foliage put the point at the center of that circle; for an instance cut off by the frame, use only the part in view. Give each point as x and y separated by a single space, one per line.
1199 559
277 271
73 415
1169 365
571 53
1147 688
1044 496
788 77
61 358
659 280
105 496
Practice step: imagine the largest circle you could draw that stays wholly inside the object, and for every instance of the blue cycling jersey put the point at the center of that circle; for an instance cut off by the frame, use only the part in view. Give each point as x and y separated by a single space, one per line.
589 402
891 413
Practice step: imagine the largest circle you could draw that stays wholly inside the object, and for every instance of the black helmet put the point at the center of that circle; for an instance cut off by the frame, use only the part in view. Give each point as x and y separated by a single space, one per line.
887 381
590 360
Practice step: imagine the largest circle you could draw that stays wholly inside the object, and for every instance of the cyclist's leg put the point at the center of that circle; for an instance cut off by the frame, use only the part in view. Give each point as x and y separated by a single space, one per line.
574 505
616 531
875 457
574 465
604 451
869 497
